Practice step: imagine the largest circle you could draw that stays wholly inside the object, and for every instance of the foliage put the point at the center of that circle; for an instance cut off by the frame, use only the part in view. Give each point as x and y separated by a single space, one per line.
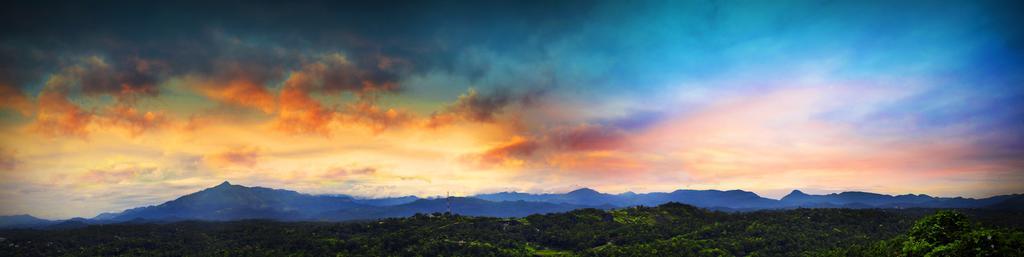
667 230
949 233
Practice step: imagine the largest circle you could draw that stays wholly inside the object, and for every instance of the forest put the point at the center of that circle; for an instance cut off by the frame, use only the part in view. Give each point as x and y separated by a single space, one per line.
671 229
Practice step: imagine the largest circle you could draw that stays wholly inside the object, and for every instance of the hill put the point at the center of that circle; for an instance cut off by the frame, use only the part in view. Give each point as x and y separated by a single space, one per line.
668 230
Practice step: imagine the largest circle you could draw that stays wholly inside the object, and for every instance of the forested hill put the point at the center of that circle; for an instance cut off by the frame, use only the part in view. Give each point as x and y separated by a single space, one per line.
227 202
668 230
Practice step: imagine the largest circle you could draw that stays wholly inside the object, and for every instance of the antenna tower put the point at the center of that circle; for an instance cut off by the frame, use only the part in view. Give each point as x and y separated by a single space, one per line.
449 201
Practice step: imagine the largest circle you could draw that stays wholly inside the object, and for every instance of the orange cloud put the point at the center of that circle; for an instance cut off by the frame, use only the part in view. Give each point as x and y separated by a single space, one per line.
299 112
333 74
195 122
93 75
514 153
367 113
598 163
241 92
13 98
583 148
57 116
337 173
239 156
134 121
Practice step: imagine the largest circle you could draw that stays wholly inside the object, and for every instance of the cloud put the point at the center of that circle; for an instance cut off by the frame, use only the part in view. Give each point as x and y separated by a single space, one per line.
239 156
57 116
368 113
338 74
784 133
513 153
8 161
339 173
587 137
474 107
332 74
12 97
135 121
299 112
92 76
598 164
239 91
126 81
579 148
118 174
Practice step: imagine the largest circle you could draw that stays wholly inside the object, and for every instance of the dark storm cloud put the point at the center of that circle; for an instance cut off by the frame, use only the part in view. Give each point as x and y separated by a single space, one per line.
478 107
262 40
124 79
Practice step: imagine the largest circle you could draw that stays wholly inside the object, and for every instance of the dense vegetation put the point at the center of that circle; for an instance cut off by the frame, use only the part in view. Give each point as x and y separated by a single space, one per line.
667 230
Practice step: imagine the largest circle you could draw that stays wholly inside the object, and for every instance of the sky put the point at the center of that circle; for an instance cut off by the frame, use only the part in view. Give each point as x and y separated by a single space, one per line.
113 105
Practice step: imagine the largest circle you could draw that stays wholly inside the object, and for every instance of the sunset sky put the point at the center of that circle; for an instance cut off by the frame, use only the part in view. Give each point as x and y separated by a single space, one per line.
105 107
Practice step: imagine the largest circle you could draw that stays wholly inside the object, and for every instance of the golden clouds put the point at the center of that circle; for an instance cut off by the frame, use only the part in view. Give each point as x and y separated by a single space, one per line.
117 174
241 92
134 121
377 119
338 173
580 148
299 112
514 153
246 157
600 163
57 116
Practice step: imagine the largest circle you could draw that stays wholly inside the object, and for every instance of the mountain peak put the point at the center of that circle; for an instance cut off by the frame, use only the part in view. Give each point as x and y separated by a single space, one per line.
20 216
223 185
583 191
796 193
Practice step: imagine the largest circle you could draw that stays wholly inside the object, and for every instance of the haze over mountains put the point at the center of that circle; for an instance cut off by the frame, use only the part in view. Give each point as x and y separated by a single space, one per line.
235 202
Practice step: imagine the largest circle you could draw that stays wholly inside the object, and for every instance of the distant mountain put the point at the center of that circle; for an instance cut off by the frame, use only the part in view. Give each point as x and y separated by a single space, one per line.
873 200
22 221
235 202
738 200
582 196
389 201
1012 202
68 224
459 205
735 199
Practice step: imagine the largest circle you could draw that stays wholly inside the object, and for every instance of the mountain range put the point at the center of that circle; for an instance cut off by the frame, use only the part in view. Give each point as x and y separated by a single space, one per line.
235 202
